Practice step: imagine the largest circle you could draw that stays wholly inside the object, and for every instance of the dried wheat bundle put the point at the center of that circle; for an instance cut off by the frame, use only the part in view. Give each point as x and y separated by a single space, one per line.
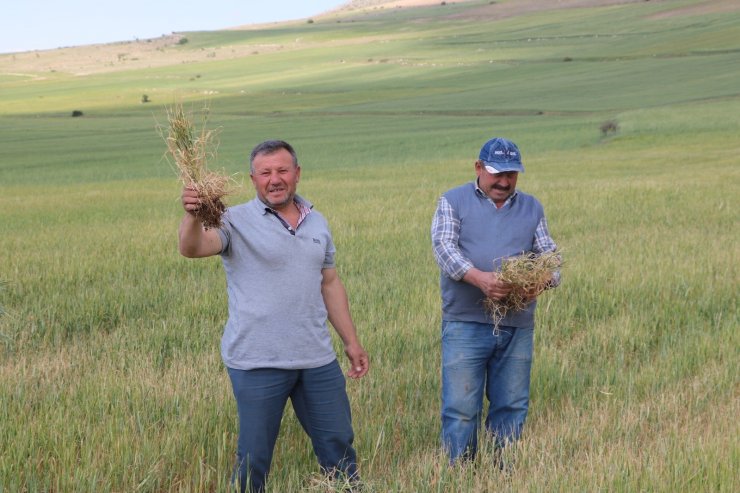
527 274
191 153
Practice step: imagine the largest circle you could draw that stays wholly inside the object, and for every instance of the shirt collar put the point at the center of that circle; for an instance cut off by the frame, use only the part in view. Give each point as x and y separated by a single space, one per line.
304 206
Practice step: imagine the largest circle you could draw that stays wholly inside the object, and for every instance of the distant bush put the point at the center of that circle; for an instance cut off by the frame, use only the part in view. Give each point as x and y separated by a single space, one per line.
145 98
76 113
310 21
609 127
567 59
182 41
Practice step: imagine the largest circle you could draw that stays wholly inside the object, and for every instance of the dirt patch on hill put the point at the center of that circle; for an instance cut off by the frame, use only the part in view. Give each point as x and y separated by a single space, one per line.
365 4
149 53
112 57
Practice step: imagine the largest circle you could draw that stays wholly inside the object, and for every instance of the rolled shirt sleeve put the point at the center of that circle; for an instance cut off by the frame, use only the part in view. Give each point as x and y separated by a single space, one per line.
445 234
543 243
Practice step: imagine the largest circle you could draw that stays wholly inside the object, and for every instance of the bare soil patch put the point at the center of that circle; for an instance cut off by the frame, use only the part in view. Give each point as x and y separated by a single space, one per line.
366 4
112 57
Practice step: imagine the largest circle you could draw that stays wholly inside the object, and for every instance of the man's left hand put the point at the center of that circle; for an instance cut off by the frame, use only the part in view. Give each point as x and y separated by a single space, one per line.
358 359
532 294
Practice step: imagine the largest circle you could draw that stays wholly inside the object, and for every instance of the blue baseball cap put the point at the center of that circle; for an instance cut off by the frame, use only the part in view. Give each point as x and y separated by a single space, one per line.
500 155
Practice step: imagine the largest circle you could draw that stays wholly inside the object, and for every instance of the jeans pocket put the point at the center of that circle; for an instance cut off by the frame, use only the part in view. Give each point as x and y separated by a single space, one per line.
447 328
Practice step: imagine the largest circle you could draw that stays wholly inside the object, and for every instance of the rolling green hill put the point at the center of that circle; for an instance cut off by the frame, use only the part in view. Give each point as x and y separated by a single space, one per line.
451 72
110 377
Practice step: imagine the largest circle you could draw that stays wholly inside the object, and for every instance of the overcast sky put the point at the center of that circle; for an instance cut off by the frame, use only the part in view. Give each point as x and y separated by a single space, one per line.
27 25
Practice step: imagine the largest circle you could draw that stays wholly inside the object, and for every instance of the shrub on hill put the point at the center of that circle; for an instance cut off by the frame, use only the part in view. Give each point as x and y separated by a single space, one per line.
609 127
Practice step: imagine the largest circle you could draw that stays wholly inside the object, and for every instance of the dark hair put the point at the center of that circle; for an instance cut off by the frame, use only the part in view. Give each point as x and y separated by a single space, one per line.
268 147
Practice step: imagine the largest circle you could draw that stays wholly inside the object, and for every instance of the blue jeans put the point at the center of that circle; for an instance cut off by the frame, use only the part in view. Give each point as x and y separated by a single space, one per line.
320 401
474 359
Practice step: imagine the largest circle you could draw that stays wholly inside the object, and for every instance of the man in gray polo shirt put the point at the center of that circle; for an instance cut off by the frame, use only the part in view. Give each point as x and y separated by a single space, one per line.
278 255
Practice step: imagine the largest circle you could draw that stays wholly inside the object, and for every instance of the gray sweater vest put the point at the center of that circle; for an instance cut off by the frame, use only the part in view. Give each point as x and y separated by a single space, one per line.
488 235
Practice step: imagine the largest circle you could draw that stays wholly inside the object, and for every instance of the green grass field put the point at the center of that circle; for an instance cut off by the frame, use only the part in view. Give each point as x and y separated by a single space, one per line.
110 375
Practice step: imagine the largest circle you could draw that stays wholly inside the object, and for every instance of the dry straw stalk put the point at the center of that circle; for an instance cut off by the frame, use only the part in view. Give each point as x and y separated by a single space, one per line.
528 275
191 152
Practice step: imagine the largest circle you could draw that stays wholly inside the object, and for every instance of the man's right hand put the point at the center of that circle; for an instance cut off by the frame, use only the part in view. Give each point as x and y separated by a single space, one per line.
488 282
190 199
194 240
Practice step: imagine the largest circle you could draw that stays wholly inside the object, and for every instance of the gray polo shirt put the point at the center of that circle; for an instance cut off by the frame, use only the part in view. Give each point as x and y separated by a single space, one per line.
277 317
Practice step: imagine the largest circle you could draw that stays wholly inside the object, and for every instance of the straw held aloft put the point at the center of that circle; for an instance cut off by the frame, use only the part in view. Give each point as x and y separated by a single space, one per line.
191 152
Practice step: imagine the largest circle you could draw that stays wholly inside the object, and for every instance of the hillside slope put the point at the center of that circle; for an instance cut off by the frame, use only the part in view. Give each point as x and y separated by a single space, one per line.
172 50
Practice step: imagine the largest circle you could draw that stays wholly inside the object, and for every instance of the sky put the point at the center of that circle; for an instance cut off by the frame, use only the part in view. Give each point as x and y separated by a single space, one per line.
27 25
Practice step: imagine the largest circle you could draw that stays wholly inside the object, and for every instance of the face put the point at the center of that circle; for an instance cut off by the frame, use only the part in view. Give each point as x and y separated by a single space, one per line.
275 178
497 186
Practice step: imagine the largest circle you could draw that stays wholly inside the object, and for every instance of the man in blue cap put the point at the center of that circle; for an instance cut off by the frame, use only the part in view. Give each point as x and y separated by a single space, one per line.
474 226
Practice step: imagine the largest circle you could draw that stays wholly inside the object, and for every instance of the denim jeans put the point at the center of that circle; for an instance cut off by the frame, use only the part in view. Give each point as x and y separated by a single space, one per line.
474 359
320 402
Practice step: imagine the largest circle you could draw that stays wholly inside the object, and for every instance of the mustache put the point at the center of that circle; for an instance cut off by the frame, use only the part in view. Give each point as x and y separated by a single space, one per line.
502 188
